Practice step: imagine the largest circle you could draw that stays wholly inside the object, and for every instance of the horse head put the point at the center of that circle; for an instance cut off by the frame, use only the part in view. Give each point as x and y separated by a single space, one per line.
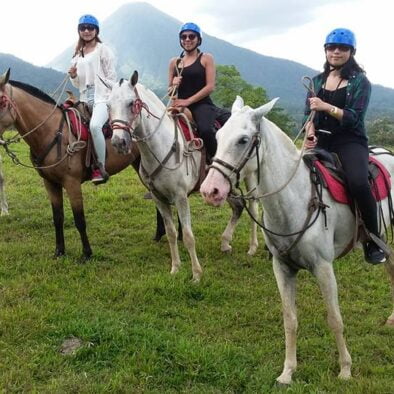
7 117
238 142
124 109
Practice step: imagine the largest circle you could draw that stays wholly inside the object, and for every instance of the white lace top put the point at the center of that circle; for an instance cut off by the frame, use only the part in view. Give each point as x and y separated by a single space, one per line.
99 63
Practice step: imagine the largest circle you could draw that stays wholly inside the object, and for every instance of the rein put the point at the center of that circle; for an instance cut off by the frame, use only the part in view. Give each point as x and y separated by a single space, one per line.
71 148
315 203
237 169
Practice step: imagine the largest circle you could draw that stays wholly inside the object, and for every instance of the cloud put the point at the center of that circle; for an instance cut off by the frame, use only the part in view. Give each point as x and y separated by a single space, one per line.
250 18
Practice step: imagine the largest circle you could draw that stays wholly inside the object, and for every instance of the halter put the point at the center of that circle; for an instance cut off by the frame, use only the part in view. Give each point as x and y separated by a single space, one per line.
8 104
136 109
247 155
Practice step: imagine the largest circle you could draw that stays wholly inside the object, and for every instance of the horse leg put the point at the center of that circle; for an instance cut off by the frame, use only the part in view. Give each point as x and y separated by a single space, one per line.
3 200
286 281
324 273
166 213
161 230
74 191
55 194
390 272
254 243
188 236
227 236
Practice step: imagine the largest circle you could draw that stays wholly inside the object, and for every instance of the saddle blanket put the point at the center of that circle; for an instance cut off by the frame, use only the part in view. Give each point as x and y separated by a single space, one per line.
78 125
380 185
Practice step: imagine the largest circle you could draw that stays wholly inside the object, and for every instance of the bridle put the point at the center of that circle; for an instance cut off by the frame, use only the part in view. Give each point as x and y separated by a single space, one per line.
7 103
136 109
254 144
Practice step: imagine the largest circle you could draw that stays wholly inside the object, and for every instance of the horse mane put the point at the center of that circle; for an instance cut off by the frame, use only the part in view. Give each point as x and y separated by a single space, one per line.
284 138
33 91
151 95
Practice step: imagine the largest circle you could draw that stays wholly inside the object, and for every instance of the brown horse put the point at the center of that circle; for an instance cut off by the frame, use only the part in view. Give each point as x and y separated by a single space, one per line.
41 123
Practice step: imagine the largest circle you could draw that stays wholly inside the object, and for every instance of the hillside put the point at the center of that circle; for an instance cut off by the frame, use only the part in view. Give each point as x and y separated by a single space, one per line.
145 38
44 78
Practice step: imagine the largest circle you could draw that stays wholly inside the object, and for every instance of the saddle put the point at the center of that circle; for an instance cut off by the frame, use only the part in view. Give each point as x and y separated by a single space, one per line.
328 170
183 119
186 120
79 115
80 122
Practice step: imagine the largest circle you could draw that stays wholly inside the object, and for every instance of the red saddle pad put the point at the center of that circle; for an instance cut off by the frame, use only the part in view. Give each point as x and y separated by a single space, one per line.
380 188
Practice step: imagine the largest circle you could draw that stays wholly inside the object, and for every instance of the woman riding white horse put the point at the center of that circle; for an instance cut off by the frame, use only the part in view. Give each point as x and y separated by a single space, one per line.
250 142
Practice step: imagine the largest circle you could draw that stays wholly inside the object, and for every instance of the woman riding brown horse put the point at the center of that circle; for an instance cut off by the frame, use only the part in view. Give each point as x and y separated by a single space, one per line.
41 123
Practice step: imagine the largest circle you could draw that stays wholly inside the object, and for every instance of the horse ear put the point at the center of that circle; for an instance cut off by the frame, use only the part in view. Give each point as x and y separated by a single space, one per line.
134 78
4 78
238 104
107 83
258 113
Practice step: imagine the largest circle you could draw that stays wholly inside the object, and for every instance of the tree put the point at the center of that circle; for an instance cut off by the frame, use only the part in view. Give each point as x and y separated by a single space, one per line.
229 84
381 132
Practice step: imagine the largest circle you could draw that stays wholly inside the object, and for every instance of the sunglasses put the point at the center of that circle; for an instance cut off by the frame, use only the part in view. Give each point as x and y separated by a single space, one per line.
341 48
86 27
191 37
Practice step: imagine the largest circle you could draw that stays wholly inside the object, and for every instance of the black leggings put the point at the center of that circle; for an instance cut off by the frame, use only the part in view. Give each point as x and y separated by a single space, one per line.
354 159
204 115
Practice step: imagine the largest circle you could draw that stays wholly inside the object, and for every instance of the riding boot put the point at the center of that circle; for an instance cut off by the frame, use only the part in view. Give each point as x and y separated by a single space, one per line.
99 174
373 254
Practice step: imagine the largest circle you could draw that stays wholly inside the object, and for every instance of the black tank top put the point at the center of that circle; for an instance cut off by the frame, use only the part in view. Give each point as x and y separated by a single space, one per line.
340 135
334 97
193 80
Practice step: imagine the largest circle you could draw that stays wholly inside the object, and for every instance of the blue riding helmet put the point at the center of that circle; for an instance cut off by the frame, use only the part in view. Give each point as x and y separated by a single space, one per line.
89 20
341 36
192 27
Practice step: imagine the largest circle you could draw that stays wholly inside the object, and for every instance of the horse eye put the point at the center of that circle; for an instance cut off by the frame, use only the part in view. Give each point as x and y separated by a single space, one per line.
243 140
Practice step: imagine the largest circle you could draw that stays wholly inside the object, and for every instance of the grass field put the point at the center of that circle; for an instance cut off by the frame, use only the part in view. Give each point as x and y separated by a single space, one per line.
142 330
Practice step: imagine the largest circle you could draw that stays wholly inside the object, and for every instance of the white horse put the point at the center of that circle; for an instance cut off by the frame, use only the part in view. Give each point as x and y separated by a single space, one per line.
286 211
3 200
170 165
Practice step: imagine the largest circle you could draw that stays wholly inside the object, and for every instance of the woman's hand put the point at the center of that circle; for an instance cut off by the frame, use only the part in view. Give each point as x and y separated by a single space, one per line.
176 81
181 103
317 104
72 71
311 139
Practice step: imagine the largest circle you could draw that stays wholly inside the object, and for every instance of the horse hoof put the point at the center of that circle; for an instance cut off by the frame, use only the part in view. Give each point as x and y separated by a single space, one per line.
157 237
390 322
252 252
283 384
226 249
58 254
196 279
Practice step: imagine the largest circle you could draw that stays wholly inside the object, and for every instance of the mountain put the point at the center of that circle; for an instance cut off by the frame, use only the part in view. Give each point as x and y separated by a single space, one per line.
145 39
43 78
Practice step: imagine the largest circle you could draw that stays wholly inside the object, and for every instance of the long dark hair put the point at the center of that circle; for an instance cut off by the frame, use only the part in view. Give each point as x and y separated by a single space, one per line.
349 68
80 45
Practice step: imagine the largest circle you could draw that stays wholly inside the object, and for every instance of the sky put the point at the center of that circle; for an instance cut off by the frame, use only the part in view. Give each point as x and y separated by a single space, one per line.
37 31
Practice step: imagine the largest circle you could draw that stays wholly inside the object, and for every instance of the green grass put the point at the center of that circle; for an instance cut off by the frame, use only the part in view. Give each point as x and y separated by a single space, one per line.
144 330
